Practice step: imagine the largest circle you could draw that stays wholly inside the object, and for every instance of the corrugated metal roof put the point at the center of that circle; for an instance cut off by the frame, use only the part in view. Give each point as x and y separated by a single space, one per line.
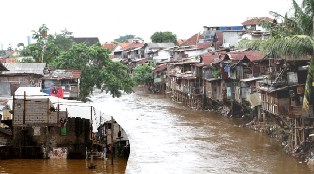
132 46
252 79
160 45
212 79
274 89
160 67
63 74
24 68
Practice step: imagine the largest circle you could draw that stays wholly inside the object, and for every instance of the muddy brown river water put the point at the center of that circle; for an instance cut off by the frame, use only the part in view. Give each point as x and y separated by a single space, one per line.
168 138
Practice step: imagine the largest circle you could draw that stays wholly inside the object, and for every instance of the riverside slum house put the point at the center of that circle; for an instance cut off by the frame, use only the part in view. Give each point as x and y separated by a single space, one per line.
185 83
229 77
219 79
111 133
133 55
282 95
21 75
17 74
61 83
49 127
184 71
5 130
160 77
158 52
219 72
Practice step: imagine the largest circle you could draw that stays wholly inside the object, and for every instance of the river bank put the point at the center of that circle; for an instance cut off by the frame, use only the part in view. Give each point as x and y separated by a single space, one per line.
270 127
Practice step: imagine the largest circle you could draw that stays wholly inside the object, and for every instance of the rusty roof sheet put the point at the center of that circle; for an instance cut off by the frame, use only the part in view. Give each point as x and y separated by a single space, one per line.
204 45
63 74
109 46
160 67
212 58
132 46
193 40
251 55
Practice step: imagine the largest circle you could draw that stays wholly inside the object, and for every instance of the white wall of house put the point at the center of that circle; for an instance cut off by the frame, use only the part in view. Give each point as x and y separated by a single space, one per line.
193 53
255 28
232 37
162 55
260 28
117 49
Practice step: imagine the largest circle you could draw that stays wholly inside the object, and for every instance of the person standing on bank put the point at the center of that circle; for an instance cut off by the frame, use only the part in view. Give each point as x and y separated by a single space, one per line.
105 152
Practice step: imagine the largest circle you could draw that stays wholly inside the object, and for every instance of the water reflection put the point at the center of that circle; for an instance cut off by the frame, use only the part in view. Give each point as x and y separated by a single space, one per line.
56 166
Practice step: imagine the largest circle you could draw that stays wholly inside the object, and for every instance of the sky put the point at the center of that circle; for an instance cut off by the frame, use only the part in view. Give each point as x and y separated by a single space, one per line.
109 19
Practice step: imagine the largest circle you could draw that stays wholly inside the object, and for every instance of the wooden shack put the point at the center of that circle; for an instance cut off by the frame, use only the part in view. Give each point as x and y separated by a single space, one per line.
67 80
21 74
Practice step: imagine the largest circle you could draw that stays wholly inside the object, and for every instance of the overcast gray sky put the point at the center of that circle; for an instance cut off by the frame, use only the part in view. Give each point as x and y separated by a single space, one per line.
109 19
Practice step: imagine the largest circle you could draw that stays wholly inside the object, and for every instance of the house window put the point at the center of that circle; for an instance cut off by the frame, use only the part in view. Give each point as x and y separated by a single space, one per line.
253 27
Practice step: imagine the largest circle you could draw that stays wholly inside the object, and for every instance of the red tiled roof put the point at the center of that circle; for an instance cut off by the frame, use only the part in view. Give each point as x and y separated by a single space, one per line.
193 40
132 46
122 45
256 21
160 67
204 45
180 41
210 58
251 55
109 46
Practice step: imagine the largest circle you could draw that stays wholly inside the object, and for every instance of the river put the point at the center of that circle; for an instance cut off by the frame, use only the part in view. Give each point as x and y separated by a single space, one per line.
168 138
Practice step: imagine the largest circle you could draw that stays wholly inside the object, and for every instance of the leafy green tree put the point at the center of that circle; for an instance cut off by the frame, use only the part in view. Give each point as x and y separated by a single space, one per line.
20 44
97 70
49 46
143 74
31 50
163 37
